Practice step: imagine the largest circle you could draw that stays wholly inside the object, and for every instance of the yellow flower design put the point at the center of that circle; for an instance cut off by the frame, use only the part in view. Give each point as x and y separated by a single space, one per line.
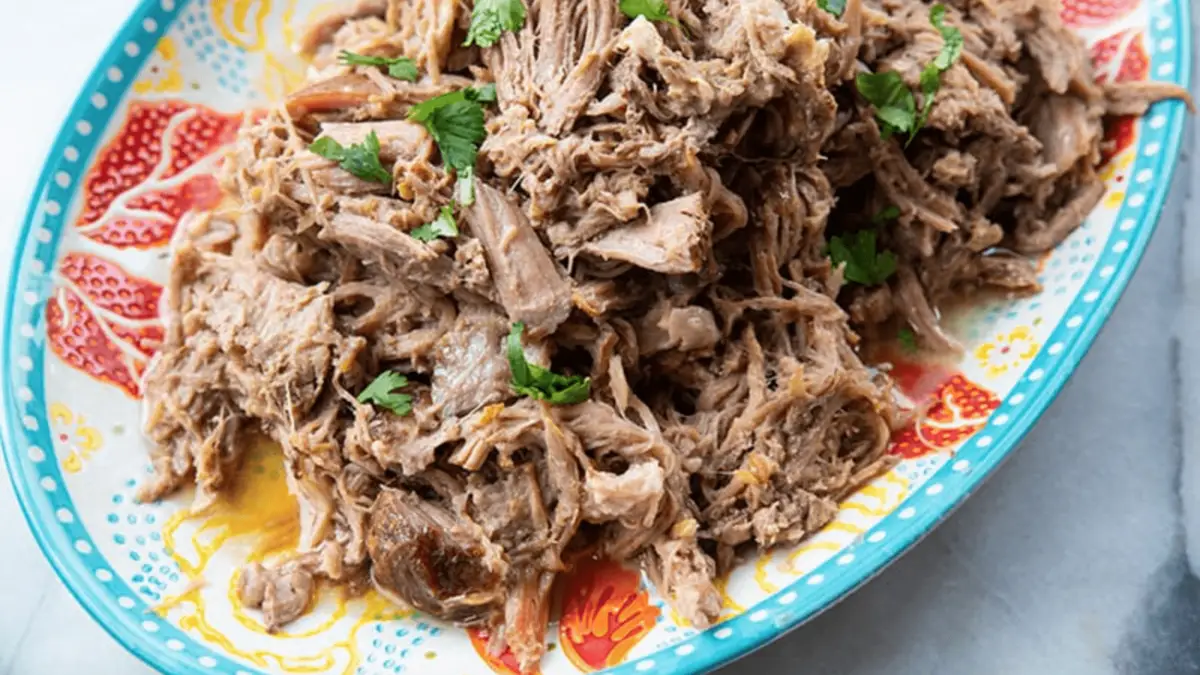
72 431
242 22
1007 351
1114 199
163 74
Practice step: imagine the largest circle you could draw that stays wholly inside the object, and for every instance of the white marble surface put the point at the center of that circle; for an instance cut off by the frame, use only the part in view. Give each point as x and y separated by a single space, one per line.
1074 558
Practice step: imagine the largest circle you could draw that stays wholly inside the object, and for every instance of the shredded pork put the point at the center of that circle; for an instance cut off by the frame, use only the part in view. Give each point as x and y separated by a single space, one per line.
654 202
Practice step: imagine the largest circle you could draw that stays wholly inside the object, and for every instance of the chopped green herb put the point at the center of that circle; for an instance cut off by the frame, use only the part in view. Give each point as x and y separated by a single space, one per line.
442 226
863 264
952 38
886 214
490 18
455 120
458 130
536 382
401 67
931 81
895 106
931 74
907 339
893 101
423 110
382 392
654 10
484 94
360 159
464 188
834 7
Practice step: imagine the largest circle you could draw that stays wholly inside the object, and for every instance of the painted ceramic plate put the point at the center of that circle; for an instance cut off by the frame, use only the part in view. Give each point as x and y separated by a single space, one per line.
135 159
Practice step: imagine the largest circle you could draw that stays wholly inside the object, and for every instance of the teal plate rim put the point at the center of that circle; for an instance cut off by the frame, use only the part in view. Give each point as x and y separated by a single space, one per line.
50 512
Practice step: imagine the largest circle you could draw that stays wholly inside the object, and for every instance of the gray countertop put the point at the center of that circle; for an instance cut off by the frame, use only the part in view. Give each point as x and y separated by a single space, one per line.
1079 556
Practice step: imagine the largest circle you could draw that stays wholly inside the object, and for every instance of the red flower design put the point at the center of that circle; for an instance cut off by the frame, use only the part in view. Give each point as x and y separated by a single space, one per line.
1121 58
156 169
1093 13
961 407
605 613
104 321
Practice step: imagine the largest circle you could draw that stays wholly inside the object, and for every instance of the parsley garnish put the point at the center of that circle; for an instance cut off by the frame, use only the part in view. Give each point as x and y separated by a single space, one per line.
894 104
931 75
885 214
458 130
442 226
381 392
952 39
654 10
465 187
907 339
537 382
484 94
455 120
490 18
931 81
863 264
834 7
422 111
401 67
360 159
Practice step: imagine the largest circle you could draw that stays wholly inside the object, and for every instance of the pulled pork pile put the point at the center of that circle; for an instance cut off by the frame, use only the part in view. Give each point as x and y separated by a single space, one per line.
654 206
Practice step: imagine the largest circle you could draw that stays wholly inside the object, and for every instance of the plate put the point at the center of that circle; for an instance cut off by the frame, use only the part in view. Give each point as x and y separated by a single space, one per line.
134 160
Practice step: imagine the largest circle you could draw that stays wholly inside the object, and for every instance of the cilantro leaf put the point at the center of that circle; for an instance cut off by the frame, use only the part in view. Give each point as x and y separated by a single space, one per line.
931 74
360 159
458 131
455 120
490 18
885 214
464 188
654 10
422 111
952 38
893 101
534 381
401 67
834 7
931 81
328 148
895 106
907 339
862 263
442 226
382 392
484 94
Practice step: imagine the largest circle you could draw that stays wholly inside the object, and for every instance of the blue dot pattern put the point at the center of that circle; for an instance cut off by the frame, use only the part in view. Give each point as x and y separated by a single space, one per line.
136 533
226 60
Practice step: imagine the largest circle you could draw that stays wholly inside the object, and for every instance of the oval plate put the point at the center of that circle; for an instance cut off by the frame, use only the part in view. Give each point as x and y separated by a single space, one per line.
135 159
